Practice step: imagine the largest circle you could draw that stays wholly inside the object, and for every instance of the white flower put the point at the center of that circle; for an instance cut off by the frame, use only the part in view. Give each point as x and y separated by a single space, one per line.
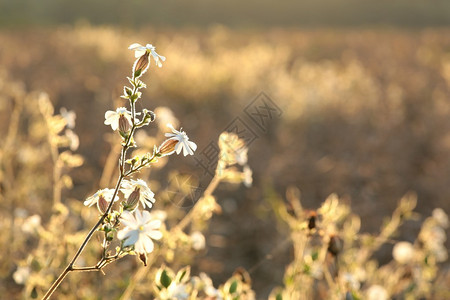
112 117
441 217
377 292
74 141
352 282
21 275
102 198
247 176
436 235
203 282
198 240
31 224
175 291
212 292
138 188
139 231
403 252
232 149
140 50
69 116
182 142
241 156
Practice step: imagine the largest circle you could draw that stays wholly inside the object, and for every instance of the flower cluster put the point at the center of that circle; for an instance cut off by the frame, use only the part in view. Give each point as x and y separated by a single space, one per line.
233 151
170 285
135 227
334 260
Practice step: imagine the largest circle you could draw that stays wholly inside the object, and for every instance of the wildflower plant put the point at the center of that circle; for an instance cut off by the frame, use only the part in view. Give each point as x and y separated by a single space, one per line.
333 260
128 229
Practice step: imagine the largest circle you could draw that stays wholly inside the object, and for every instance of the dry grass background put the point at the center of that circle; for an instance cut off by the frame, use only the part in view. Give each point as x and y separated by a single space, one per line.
366 115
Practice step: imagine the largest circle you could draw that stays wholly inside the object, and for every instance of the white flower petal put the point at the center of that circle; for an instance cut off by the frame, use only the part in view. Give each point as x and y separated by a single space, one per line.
139 218
144 245
135 46
131 238
178 148
145 217
124 233
156 235
155 224
139 230
128 219
192 145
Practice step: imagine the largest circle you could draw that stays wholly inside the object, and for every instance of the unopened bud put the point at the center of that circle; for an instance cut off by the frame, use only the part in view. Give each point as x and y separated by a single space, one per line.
109 236
167 147
102 204
132 201
143 258
124 124
150 116
335 245
312 220
141 65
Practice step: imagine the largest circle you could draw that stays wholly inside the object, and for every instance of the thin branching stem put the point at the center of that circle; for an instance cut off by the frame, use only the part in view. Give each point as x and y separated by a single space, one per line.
70 267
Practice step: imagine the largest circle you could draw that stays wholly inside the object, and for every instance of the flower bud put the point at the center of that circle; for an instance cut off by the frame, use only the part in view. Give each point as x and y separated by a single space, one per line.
141 65
102 204
167 147
335 245
143 258
132 201
150 116
312 220
124 124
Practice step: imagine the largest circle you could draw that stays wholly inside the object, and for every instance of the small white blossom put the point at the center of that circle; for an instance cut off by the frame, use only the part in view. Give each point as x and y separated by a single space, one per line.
436 235
175 291
198 240
143 192
241 155
21 275
31 224
351 281
74 141
377 292
104 194
232 149
140 50
247 176
183 142
403 252
203 282
69 116
139 231
441 217
112 117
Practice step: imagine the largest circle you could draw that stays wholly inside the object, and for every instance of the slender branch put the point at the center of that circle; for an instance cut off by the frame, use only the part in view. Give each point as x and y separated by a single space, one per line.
69 267
122 175
85 269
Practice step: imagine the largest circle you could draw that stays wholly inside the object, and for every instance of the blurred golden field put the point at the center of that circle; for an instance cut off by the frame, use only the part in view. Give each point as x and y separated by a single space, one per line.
365 114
